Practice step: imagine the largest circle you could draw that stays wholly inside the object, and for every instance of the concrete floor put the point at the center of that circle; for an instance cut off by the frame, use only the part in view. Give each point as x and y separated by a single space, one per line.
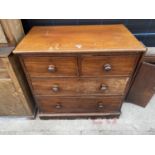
134 120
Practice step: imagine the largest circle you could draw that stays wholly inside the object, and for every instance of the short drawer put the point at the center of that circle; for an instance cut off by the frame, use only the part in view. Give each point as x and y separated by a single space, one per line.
50 104
80 86
121 65
51 66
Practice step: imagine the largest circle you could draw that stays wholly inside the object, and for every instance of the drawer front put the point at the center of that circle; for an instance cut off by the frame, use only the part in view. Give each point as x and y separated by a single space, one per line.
78 105
107 65
80 86
51 66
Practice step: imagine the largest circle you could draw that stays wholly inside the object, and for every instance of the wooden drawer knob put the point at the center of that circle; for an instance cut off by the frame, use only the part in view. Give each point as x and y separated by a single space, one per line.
103 87
100 105
55 88
107 67
51 68
58 106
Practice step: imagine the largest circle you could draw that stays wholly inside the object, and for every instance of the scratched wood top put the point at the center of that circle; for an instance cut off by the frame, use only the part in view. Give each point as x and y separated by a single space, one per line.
63 39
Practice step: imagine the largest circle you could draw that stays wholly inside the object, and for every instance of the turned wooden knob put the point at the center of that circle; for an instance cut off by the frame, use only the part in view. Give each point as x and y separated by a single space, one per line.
51 68
55 88
107 67
100 105
58 106
103 87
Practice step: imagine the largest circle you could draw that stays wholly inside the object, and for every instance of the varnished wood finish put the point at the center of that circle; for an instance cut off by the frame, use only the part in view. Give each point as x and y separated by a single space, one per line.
119 65
149 59
91 104
80 86
143 87
104 115
38 66
79 71
64 39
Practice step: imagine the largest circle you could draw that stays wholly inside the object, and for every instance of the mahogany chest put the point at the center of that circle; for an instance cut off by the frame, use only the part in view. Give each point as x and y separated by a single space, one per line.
79 71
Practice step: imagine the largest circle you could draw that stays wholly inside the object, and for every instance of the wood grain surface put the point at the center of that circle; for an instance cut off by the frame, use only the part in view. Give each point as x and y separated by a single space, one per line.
48 104
38 66
3 39
2 66
13 30
14 98
121 65
4 74
10 100
143 87
70 69
62 39
79 86
93 66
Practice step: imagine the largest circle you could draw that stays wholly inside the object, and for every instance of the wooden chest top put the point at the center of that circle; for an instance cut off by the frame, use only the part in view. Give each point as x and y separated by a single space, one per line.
64 39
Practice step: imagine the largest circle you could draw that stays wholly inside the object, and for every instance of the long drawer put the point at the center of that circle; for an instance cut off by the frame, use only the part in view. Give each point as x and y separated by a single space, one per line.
80 86
48 104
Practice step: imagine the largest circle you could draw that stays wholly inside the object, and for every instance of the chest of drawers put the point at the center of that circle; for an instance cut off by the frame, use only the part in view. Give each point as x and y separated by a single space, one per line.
79 71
